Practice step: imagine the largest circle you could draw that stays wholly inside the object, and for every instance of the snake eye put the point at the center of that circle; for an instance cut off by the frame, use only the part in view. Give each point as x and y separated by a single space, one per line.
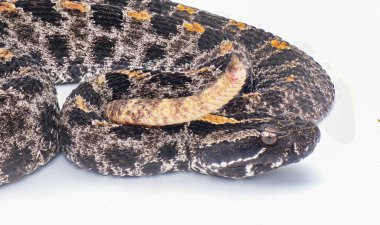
268 138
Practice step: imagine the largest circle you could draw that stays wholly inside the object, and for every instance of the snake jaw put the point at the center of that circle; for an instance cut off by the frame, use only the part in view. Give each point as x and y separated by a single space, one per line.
252 156
299 147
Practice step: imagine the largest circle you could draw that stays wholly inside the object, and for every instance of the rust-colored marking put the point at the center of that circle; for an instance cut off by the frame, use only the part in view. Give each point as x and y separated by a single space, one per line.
240 25
101 123
187 9
255 95
7 7
215 119
290 78
280 45
5 54
135 73
81 103
101 79
226 47
194 27
201 70
25 71
73 5
140 16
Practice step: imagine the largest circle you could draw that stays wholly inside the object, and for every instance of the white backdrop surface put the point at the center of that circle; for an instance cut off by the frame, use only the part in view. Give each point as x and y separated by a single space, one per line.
337 184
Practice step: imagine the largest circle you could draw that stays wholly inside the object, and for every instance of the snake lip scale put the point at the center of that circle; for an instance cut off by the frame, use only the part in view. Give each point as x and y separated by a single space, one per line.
164 87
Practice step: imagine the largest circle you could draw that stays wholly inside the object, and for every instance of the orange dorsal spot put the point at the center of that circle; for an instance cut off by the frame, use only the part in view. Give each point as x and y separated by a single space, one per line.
240 25
133 73
252 95
280 45
194 27
7 7
187 9
71 5
226 47
81 103
290 78
5 54
140 16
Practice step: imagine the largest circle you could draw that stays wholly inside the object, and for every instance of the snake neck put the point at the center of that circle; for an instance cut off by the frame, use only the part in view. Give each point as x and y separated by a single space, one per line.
170 111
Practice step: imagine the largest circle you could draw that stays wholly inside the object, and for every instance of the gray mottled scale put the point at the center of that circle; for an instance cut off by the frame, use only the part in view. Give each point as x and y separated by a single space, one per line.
151 49
28 119
73 45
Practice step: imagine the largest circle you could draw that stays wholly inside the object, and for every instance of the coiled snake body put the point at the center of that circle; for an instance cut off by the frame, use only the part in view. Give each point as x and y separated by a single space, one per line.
164 87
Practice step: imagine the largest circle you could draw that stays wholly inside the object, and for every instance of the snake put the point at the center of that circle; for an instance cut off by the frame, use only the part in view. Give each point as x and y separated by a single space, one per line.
163 87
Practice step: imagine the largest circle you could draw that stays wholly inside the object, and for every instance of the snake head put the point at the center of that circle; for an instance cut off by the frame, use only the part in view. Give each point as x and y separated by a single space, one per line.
245 150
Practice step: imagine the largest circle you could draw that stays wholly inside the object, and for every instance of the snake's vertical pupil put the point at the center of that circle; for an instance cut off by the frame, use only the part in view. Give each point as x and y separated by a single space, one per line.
269 138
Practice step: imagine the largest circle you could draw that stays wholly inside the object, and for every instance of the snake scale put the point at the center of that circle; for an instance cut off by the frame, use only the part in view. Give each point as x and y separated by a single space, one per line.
164 87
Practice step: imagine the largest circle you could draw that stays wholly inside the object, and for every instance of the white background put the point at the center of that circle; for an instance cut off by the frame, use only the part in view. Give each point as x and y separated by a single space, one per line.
337 184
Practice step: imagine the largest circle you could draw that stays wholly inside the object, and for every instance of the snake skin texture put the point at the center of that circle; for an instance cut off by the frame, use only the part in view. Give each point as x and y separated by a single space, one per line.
159 60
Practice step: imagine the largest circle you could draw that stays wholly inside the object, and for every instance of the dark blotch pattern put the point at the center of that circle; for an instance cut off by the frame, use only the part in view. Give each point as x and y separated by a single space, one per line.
172 129
26 34
3 27
11 123
182 166
121 157
49 123
89 162
14 166
119 3
185 59
152 168
168 151
175 79
160 7
79 28
65 139
87 92
124 132
82 118
42 9
164 25
155 52
103 48
211 20
203 128
119 84
28 85
108 16
15 64
58 47
254 38
210 39
281 58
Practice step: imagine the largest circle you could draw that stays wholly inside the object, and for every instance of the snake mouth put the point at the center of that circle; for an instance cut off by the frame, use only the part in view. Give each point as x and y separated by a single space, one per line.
248 169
